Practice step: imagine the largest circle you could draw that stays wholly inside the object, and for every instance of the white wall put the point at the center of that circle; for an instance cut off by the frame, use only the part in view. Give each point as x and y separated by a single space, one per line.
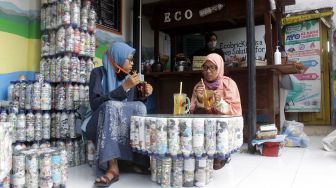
127 26
35 4
147 33
127 20
24 4
149 1
22 7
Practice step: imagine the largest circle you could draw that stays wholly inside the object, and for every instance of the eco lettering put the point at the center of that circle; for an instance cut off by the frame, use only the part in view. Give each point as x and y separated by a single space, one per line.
177 16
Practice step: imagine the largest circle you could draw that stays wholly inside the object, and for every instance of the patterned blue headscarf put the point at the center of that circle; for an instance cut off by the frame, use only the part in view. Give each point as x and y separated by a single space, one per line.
119 52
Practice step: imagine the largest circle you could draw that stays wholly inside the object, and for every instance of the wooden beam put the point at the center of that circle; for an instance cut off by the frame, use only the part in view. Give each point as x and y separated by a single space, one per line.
232 21
172 15
288 2
274 41
268 37
156 44
173 51
285 2
274 18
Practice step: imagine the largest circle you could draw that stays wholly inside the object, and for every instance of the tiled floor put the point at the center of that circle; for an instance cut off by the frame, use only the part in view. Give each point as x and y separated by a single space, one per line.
296 168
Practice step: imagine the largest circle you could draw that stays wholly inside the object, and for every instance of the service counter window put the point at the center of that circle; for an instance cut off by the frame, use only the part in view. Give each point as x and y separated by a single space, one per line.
109 15
189 44
186 47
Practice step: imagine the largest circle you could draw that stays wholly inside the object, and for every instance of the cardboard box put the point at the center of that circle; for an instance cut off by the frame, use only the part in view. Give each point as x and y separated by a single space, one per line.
197 62
266 135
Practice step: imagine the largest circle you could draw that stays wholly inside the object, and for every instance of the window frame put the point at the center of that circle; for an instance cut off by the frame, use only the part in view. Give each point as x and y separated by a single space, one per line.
118 29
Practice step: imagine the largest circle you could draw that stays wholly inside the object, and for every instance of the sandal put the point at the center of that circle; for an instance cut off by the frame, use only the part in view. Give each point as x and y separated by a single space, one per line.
105 181
218 164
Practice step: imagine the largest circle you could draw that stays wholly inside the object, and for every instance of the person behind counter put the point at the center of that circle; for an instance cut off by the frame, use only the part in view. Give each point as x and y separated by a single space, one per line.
111 100
216 94
210 46
285 86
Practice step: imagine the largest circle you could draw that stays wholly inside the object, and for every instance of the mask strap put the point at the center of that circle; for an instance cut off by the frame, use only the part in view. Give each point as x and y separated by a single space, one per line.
115 65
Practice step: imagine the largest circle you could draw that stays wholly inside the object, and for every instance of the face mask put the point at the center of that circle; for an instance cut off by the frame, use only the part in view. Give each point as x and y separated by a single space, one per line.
212 44
121 75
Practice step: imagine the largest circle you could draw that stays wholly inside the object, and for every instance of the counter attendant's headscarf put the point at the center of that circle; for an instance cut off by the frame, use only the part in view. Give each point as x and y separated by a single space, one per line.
225 86
118 52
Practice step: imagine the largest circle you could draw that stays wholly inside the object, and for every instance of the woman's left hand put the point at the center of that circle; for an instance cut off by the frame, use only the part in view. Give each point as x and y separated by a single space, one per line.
149 89
217 97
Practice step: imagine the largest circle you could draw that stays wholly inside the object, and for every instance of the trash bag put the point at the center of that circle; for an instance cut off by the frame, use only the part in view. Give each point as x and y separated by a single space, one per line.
293 128
295 135
329 142
297 141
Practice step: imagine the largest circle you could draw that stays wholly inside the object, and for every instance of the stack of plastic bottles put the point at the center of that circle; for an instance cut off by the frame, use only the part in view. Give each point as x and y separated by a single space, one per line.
43 167
68 47
185 145
6 137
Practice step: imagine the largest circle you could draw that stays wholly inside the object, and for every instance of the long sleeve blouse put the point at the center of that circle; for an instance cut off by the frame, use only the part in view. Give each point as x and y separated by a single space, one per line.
97 96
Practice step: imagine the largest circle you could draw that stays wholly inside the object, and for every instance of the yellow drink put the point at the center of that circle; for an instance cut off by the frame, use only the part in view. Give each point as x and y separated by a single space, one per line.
181 104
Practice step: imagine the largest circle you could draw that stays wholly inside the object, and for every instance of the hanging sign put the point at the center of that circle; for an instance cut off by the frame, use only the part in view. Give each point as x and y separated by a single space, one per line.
233 43
186 14
300 18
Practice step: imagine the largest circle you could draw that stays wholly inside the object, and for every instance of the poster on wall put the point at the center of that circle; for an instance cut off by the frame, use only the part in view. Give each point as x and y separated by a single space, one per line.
302 43
333 50
233 43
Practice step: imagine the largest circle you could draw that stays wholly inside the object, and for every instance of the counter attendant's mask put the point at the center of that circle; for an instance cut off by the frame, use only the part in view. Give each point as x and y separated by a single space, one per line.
212 44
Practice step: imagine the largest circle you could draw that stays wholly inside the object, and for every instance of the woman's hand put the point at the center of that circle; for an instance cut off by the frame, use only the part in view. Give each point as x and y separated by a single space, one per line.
200 93
131 81
149 89
217 96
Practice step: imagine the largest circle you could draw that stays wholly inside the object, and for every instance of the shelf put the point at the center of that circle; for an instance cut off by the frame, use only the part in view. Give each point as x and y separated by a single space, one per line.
292 68
184 73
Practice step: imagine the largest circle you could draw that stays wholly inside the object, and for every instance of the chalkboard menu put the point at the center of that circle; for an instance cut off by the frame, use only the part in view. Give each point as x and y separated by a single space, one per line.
108 14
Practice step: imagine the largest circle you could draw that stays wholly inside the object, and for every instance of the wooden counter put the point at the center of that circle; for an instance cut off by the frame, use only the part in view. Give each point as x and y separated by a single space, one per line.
281 69
167 83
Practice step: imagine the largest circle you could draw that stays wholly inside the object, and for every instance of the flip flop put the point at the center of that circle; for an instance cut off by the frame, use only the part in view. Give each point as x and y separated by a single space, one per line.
105 181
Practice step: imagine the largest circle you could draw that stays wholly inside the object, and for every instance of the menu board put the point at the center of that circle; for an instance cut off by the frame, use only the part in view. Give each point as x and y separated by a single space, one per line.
109 14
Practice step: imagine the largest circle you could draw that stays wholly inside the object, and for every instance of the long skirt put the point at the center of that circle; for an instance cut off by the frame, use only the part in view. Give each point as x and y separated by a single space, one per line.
113 133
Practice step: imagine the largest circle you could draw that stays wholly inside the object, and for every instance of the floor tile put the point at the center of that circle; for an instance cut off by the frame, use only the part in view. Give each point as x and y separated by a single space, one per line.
294 168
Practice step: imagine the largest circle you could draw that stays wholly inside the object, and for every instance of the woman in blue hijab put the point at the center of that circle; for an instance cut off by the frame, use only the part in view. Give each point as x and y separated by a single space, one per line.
111 101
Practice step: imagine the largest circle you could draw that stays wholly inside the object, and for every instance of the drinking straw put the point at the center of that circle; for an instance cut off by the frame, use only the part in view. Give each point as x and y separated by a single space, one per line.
179 98
205 93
